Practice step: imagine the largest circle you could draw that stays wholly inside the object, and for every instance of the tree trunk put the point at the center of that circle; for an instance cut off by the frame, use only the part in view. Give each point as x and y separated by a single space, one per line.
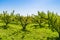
59 37
5 26
24 30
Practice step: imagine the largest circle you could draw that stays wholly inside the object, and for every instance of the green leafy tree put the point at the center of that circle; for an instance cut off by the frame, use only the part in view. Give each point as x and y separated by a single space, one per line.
6 19
53 22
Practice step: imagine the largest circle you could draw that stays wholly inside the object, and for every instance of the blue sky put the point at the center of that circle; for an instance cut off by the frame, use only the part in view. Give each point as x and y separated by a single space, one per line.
29 7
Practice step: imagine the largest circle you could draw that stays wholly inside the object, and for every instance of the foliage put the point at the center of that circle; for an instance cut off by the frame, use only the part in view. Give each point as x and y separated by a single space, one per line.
36 27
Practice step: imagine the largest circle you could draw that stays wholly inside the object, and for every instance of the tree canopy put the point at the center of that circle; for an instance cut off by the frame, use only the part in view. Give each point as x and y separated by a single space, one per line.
43 26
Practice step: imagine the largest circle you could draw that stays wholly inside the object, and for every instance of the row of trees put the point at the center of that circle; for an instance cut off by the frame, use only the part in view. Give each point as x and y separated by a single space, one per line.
50 20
